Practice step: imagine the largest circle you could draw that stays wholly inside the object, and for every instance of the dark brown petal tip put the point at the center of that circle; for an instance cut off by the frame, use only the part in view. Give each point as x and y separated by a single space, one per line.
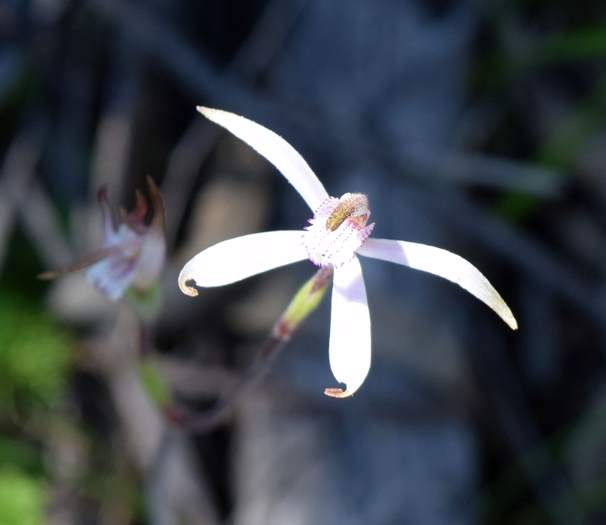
140 206
188 287
157 203
336 392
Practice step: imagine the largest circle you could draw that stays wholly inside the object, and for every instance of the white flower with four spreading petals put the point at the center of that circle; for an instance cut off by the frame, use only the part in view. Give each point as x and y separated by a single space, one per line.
337 233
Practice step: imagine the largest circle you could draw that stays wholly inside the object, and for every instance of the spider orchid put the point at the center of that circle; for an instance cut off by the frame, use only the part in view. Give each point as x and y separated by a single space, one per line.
133 252
337 233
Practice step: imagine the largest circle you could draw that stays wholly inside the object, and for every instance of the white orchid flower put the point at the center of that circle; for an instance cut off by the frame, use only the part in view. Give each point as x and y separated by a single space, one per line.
337 233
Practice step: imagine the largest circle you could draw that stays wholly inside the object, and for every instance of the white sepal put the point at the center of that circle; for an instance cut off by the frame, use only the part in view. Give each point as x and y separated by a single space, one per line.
443 264
236 259
350 341
276 150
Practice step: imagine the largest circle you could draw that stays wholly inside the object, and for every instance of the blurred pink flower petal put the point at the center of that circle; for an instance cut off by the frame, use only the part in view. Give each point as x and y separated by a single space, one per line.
133 254
139 249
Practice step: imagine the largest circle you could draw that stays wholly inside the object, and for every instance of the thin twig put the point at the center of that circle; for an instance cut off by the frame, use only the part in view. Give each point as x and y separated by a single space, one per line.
303 303
207 421
517 248
185 159
156 493
42 224
252 58
17 171
547 479
115 127
143 425
194 72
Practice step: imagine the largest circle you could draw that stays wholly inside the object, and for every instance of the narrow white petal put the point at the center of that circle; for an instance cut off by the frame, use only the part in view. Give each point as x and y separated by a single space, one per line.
276 150
444 264
236 259
349 349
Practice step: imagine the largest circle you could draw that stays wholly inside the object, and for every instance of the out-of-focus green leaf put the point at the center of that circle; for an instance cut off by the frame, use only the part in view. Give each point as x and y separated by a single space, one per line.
34 355
562 147
146 303
20 454
22 498
154 384
586 43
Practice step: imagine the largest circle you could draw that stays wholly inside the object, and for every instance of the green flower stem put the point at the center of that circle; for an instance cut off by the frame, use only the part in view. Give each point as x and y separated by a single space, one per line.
147 303
305 301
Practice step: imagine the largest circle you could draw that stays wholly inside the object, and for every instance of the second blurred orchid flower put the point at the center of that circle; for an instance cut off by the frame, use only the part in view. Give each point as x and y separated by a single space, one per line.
336 234
133 252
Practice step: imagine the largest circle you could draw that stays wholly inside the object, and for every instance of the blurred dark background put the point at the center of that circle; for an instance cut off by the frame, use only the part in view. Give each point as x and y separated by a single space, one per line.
477 126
